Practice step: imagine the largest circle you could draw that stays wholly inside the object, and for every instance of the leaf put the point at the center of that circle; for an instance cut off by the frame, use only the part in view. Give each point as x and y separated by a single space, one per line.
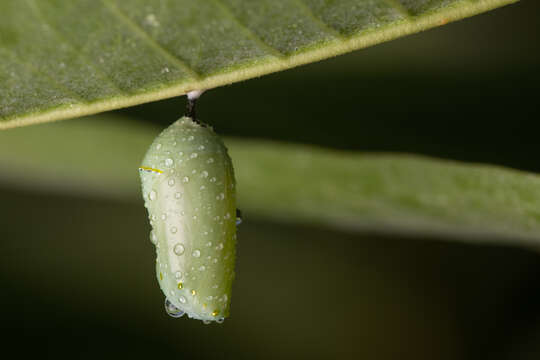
377 192
64 59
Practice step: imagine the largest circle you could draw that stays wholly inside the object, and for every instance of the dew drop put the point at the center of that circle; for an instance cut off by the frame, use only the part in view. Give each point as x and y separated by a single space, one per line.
221 196
172 310
182 299
210 160
190 138
193 155
181 153
152 195
170 182
201 147
204 174
206 322
169 162
202 268
178 250
220 320
158 146
196 253
185 179
151 20
202 187
174 229
178 274
238 217
163 216
153 237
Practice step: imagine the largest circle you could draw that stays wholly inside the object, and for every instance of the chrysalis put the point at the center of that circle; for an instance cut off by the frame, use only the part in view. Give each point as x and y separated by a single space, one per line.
188 187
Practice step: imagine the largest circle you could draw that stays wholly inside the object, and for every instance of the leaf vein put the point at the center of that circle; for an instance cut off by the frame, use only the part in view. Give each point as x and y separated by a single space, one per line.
322 25
62 38
399 7
250 33
145 36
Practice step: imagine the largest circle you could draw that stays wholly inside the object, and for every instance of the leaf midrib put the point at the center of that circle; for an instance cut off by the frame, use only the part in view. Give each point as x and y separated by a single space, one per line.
276 61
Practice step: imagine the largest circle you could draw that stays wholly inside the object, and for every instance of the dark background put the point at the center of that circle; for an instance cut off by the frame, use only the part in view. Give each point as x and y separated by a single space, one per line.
77 274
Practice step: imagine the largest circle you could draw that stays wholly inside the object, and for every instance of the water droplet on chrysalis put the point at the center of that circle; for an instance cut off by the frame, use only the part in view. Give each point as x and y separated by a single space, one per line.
172 310
178 249
153 237
238 217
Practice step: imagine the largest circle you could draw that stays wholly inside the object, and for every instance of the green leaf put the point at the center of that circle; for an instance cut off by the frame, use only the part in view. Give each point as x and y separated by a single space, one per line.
379 192
64 59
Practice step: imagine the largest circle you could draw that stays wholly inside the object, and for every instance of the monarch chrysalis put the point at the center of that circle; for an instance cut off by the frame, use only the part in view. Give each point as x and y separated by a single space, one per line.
189 190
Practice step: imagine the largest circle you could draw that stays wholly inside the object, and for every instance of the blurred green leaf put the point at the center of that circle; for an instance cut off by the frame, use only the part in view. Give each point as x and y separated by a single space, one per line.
63 59
379 192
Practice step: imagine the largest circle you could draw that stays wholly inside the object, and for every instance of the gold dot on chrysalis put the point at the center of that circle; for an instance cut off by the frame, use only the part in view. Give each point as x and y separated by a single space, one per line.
215 313
193 292
180 286
204 306
160 276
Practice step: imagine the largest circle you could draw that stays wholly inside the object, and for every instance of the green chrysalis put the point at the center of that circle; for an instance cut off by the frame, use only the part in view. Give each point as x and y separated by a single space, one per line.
188 187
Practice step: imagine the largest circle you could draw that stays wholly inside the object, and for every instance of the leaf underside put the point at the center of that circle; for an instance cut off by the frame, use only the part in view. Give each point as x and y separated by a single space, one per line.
63 59
378 192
